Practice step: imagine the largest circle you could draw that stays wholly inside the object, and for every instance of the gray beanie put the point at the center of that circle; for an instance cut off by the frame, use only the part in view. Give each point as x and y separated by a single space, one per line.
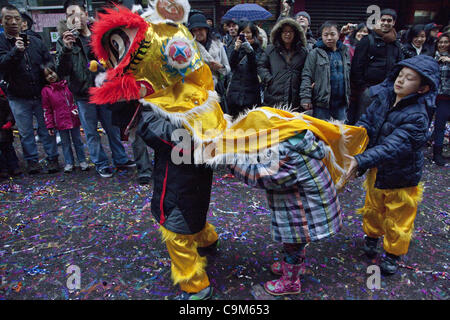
305 14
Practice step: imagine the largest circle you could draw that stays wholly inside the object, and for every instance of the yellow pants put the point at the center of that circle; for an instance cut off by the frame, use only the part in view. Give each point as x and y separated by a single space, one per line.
188 267
390 212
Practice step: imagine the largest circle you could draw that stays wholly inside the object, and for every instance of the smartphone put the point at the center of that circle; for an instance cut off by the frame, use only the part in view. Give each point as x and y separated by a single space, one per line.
24 37
242 37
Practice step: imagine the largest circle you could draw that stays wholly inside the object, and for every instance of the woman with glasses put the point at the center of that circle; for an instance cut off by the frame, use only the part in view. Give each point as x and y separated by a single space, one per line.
281 65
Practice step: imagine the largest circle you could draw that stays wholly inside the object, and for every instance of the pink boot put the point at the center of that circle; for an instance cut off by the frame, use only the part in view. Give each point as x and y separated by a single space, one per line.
289 283
277 269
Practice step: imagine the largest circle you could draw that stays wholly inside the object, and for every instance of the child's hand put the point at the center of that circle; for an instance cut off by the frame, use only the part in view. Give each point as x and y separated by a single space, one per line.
352 169
7 125
51 132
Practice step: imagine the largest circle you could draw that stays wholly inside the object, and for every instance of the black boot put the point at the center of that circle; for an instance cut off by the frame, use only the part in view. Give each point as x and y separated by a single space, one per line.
53 166
370 247
437 156
389 264
33 167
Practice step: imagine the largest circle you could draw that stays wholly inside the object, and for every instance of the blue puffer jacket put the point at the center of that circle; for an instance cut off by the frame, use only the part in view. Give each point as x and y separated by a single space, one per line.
397 134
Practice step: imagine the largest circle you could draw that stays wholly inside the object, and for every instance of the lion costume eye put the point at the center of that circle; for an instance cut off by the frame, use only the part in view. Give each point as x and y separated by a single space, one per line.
118 43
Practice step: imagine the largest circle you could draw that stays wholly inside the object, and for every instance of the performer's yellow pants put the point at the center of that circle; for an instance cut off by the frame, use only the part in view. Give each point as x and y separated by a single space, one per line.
390 212
188 267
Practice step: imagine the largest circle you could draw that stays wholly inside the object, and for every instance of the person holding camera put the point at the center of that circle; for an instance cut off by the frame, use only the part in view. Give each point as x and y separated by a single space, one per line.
244 89
20 60
72 58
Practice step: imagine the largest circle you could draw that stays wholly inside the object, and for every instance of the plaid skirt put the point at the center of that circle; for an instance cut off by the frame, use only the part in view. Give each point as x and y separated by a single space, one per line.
300 194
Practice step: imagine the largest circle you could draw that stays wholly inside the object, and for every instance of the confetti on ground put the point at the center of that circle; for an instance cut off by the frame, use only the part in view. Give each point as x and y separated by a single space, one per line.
104 226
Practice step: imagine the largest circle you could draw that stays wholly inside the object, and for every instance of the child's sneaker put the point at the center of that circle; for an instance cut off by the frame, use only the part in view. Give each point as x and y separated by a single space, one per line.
389 264
370 247
204 294
68 168
84 166
289 283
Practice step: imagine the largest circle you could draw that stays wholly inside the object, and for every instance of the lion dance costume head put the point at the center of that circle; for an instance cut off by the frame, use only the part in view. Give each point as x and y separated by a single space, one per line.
154 58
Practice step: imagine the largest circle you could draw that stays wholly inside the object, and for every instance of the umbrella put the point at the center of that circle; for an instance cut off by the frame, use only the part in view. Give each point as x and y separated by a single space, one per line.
247 11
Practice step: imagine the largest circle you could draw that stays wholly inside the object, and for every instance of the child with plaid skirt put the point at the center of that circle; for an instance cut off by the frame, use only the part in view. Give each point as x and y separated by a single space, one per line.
303 201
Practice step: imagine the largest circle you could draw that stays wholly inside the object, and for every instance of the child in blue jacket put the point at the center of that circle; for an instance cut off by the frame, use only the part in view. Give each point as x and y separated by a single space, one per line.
397 126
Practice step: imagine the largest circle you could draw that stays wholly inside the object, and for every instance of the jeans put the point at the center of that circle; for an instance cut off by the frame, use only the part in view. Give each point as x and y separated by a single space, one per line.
8 157
75 136
90 115
327 114
442 116
23 111
141 157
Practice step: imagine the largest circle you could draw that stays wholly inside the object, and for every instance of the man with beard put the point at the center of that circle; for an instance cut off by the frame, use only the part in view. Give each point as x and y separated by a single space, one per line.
375 56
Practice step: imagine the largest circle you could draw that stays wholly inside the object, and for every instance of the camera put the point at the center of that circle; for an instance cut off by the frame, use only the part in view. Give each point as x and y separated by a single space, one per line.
75 33
242 37
24 37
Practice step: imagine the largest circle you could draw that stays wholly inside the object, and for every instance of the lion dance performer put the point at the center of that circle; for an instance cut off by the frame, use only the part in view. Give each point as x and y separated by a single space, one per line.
153 58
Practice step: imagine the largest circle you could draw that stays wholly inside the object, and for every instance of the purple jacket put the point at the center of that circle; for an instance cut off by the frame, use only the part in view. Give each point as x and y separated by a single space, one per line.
60 111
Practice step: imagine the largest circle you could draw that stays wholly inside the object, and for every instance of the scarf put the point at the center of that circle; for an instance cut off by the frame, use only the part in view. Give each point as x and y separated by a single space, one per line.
389 37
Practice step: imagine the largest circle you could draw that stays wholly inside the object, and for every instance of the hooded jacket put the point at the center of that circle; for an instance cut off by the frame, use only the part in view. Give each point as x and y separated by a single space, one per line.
397 133
60 111
317 71
281 77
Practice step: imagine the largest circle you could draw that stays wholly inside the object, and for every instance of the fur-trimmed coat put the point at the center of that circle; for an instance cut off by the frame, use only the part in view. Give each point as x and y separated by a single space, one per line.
282 76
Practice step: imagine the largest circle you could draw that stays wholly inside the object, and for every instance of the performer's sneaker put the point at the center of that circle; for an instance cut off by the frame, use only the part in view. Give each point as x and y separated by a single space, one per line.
144 180
370 247
389 264
209 250
204 294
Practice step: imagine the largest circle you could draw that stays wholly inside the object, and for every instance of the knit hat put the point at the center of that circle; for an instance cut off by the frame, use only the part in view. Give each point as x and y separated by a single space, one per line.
432 26
304 14
198 20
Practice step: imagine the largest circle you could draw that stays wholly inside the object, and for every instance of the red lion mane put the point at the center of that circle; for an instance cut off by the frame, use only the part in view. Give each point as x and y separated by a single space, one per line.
118 85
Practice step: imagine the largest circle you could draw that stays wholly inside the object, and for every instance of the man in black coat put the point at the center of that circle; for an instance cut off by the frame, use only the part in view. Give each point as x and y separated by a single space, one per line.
20 64
375 56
